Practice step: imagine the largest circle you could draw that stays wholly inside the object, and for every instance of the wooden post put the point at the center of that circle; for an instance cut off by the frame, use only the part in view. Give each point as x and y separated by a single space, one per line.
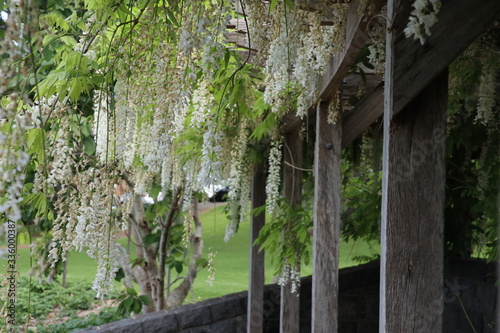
327 158
411 286
292 191
255 307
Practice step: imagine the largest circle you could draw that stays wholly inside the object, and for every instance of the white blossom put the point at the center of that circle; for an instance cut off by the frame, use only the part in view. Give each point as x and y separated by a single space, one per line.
211 267
290 275
273 178
422 18
211 166
486 92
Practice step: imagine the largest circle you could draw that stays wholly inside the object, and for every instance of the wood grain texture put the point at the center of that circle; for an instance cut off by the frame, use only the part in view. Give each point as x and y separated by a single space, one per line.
364 113
255 306
326 229
415 66
292 191
411 295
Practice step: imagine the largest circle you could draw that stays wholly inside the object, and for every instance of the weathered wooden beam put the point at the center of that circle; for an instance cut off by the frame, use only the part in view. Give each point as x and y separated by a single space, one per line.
411 286
415 66
364 113
255 306
370 107
292 191
326 230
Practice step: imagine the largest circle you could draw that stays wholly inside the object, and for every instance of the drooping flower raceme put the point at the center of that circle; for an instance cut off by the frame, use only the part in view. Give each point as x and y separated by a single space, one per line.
486 102
239 184
211 166
273 179
422 18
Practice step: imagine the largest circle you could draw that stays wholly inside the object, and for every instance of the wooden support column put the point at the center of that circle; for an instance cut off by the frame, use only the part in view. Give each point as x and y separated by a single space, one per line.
292 191
411 286
255 307
327 158
413 182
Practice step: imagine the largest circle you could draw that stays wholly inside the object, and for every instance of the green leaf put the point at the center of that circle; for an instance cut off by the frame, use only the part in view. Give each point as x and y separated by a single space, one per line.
131 292
171 18
201 262
363 75
35 141
128 303
137 306
272 5
155 190
23 237
38 201
145 299
178 266
48 39
151 239
68 40
89 145
290 4
75 89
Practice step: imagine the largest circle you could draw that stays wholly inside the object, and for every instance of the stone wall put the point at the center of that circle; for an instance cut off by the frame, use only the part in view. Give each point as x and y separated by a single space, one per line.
468 282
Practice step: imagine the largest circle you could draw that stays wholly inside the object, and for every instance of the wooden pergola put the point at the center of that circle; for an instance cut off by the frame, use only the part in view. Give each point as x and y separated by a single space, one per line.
413 102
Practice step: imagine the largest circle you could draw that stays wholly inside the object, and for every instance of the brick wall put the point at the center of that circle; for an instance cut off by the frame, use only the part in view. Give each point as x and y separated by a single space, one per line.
469 282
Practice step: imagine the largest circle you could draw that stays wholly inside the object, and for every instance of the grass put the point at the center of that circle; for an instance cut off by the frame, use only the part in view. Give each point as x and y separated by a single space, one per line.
231 259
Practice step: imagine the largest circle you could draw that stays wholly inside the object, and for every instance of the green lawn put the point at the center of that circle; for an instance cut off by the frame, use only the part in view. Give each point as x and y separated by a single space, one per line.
231 260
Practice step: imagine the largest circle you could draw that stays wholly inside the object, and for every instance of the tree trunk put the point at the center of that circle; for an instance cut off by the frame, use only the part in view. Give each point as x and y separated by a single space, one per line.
165 233
150 273
180 293
140 229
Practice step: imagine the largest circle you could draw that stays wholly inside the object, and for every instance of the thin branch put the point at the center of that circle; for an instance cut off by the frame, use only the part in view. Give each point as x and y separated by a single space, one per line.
297 168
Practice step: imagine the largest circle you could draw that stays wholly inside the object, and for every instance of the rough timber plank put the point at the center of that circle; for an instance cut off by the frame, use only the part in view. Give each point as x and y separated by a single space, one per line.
292 191
326 230
364 113
411 283
415 66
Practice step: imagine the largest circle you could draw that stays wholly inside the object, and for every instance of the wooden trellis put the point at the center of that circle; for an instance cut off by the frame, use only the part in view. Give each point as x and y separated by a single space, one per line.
413 102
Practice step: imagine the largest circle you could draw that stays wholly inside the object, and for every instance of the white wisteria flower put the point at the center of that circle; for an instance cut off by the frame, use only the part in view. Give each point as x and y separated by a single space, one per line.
273 179
422 18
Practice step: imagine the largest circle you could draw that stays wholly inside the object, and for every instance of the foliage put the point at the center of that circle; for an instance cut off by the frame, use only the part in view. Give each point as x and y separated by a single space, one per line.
130 302
44 298
151 93
473 159
106 315
291 248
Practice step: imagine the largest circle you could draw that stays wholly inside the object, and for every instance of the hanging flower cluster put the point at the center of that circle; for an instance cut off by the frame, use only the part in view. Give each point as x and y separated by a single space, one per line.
376 57
422 18
282 53
300 51
290 275
273 179
486 92
96 227
211 267
13 160
239 184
